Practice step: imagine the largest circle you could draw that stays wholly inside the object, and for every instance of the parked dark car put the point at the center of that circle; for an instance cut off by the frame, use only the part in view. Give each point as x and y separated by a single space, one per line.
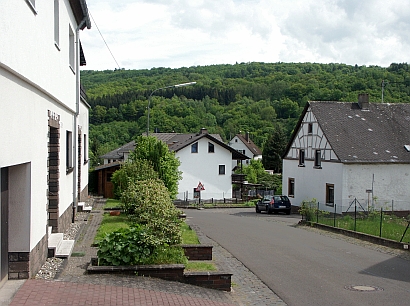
273 204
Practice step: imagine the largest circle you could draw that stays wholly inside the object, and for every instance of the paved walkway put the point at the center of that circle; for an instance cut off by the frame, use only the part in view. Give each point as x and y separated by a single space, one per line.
72 286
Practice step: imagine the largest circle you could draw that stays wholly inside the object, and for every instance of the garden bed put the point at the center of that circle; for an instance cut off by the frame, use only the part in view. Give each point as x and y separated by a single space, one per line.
213 279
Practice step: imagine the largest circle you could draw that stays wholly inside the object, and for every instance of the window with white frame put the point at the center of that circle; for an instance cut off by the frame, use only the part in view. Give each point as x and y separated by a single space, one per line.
194 148
71 49
310 128
69 151
211 148
85 149
291 187
301 157
330 194
221 169
57 23
318 159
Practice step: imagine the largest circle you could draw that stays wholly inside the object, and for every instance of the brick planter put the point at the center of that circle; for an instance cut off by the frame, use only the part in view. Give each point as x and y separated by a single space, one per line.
197 251
167 272
213 280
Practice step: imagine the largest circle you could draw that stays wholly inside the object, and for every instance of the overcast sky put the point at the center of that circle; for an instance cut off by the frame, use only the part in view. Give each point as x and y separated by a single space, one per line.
143 34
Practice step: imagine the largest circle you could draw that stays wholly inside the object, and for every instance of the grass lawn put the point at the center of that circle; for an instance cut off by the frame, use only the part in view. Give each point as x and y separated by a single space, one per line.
112 203
200 266
392 227
112 223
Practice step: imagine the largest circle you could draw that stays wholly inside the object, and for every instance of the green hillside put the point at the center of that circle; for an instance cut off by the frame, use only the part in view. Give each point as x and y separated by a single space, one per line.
250 97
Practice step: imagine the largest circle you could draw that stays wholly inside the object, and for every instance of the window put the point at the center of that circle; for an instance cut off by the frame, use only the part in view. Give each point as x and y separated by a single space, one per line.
71 49
330 194
222 169
32 4
291 187
318 159
85 149
194 148
211 148
57 23
69 151
310 128
301 158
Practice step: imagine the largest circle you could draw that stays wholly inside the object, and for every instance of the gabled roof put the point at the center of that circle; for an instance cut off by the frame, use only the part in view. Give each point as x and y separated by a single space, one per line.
377 134
119 153
177 142
80 11
249 144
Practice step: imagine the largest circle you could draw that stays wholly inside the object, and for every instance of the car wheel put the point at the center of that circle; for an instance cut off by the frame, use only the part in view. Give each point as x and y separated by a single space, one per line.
288 212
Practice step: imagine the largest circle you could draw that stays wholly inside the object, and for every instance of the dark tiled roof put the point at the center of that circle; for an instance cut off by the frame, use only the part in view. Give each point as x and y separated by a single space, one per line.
250 144
105 166
378 134
180 141
119 153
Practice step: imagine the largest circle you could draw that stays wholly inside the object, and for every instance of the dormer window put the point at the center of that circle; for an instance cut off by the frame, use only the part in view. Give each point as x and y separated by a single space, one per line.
194 148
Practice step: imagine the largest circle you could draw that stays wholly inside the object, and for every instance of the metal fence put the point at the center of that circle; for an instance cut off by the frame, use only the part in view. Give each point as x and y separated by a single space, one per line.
359 217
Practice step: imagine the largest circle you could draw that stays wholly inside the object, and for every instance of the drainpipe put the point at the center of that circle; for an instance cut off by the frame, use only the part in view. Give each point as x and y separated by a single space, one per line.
77 111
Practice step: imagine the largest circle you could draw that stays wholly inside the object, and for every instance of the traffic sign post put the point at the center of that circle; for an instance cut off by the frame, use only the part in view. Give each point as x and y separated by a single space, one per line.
199 188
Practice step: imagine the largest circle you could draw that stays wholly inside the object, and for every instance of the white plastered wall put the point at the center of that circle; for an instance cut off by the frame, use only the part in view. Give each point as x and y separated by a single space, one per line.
204 167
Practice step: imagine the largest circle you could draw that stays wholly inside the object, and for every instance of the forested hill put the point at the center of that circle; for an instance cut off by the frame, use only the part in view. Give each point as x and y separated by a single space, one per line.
255 97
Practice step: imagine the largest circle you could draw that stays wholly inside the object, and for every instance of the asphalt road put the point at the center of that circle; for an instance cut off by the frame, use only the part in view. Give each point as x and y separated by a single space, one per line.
305 267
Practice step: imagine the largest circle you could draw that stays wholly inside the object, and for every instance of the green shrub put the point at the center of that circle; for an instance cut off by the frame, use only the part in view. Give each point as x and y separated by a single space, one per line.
132 172
127 246
149 203
137 246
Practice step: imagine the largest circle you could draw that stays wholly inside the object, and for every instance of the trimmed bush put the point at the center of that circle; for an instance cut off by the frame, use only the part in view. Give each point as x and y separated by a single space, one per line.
149 203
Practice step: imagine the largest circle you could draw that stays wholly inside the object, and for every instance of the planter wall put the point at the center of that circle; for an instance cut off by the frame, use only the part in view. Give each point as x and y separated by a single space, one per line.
213 280
197 251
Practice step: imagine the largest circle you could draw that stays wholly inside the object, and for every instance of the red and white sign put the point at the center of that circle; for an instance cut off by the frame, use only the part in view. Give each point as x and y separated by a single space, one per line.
200 187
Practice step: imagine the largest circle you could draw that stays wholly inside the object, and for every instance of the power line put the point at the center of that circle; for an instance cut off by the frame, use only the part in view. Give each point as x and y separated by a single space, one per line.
104 40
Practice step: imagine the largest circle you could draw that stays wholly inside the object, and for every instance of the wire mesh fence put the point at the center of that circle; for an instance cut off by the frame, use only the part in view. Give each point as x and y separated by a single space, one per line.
359 217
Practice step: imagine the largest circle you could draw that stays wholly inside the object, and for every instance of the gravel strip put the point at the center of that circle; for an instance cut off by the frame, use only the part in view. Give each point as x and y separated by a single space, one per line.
54 265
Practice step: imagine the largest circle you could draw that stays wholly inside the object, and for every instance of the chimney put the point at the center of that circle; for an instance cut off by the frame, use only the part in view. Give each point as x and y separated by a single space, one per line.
364 101
203 131
247 136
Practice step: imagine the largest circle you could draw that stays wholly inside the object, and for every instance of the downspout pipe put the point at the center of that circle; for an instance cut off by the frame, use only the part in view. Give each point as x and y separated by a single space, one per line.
77 111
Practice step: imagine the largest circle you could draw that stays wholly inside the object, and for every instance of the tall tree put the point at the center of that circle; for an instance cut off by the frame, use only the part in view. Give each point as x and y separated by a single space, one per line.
164 162
274 149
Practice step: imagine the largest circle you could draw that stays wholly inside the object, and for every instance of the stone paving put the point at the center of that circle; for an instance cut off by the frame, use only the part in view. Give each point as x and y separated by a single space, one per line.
72 286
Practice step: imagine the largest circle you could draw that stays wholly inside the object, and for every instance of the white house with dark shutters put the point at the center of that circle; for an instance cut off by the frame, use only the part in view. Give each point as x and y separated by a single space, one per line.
44 128
342 151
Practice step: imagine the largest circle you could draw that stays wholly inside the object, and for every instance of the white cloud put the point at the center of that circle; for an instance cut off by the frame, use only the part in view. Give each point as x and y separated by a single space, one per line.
176 33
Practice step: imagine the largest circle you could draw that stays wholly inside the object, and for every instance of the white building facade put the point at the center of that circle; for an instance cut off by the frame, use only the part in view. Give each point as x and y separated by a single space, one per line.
244 145
207 162
343 155
44 128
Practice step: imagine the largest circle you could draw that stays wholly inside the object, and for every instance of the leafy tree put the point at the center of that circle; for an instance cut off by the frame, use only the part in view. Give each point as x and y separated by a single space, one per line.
162 160
274 149
253 171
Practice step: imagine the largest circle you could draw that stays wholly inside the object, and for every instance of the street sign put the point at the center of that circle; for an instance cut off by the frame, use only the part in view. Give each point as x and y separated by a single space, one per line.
200 187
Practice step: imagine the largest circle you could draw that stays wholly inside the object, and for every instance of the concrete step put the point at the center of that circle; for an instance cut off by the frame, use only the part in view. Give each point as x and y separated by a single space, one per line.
58 247
54 242
81 206
65 249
